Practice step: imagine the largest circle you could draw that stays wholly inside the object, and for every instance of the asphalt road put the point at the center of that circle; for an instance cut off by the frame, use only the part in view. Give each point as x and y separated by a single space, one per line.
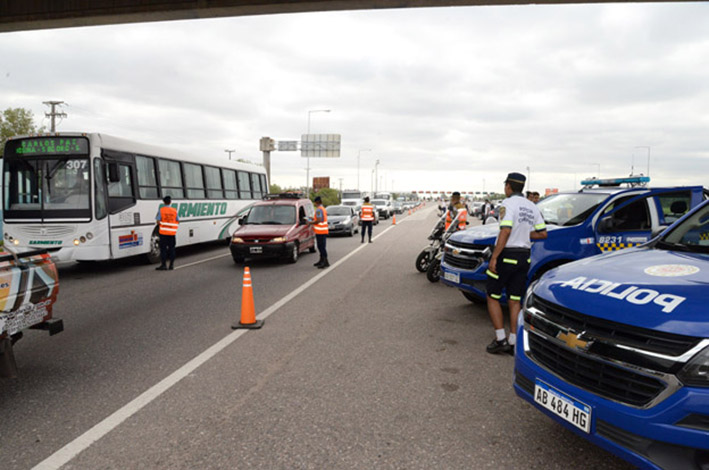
371 366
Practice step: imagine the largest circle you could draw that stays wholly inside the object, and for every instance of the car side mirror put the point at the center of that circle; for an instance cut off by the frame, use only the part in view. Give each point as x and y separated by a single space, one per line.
114 175
606 225
242 220
303 221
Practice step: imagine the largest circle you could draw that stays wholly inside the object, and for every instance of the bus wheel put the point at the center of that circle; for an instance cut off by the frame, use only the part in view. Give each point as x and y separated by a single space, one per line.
153 256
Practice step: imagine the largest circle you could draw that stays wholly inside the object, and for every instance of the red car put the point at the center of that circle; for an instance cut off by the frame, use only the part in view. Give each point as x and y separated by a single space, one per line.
275 227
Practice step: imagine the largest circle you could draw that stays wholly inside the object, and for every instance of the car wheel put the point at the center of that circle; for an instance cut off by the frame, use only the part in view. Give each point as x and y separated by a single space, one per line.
352 232
472 297
312 249
293 255
153 256
433 273
422 261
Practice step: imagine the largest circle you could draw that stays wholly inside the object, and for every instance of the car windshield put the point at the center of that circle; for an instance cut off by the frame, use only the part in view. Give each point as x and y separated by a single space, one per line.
379 202
570 209
271 215
349 203
339 210
691 235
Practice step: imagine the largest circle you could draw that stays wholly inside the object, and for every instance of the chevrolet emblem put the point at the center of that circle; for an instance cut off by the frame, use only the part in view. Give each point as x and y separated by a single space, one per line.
456 252
574 341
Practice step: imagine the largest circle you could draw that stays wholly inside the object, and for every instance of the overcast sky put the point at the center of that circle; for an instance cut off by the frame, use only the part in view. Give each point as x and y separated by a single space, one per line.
446 98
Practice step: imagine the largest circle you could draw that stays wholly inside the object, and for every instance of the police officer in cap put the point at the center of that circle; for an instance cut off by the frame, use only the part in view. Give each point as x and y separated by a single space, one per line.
520 223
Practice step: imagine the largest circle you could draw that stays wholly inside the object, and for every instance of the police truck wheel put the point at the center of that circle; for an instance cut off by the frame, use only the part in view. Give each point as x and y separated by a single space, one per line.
472 297
433 273
422 262
153 256
293 255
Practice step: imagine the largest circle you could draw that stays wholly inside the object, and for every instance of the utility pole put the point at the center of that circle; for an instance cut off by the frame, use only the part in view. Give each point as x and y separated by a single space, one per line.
230 152
54 114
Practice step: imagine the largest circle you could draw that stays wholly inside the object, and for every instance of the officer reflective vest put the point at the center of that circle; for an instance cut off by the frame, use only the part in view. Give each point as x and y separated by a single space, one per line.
462 214
168 221
367 212
320 226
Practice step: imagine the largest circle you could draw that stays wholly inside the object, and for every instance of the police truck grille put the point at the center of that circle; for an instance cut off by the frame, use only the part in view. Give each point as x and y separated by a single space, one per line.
464 259
600 377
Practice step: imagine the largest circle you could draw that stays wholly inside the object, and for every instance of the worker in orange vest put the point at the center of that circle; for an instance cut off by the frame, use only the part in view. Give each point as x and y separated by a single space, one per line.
459 209
366 215
167 221
319 224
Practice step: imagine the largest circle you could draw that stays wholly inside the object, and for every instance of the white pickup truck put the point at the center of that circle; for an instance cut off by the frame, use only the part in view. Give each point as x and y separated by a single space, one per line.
29 284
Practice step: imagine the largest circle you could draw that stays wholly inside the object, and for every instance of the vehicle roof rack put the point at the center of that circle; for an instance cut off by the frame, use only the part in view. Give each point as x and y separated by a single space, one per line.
632 181
291 195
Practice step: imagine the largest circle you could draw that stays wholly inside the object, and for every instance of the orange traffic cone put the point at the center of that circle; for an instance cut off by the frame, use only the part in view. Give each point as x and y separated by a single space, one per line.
248 310
409 211
393 220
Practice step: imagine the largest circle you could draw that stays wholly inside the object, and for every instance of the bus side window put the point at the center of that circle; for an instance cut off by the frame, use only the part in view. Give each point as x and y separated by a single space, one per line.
100 189
244 185
231 189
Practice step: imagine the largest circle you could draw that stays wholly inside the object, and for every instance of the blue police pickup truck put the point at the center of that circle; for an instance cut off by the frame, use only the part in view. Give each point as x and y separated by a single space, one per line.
607 215
616 348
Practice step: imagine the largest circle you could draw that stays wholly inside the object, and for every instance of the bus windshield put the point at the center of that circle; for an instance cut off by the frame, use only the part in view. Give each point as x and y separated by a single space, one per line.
35 186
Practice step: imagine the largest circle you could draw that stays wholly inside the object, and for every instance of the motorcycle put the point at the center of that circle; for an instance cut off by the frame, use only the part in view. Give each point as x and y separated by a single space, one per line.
433 271
428 253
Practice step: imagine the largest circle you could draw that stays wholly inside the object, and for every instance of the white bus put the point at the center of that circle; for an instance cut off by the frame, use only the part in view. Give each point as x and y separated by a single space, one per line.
90 197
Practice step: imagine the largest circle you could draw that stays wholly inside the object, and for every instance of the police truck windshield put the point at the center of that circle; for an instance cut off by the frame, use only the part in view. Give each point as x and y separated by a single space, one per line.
570 209
271 215
690 235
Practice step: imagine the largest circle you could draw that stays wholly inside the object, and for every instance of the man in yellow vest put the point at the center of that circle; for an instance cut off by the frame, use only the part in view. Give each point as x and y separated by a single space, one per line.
366 215
168 221
320 228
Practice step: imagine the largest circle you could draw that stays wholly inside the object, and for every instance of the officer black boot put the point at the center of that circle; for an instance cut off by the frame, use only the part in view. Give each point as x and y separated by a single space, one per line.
172 266
317 265
162 267
324 264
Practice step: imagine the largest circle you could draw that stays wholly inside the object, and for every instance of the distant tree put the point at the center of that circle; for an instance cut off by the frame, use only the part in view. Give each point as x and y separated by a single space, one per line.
330 197
16 121
275 189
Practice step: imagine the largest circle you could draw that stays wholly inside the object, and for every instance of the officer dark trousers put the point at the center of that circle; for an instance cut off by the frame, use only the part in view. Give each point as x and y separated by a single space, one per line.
321 241
367 226
167 249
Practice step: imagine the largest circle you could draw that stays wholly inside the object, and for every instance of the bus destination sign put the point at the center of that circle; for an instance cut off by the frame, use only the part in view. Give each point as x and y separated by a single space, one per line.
48 146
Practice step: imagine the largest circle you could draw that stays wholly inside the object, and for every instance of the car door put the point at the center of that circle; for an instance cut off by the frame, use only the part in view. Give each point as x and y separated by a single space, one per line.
626 222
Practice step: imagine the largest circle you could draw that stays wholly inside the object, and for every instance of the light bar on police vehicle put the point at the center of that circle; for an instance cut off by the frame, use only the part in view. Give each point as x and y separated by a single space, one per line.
630 180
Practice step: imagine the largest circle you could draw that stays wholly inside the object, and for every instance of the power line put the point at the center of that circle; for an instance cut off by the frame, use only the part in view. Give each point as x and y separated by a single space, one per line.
54 114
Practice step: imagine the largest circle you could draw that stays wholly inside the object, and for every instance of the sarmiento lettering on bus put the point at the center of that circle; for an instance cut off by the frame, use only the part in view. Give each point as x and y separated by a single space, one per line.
200 209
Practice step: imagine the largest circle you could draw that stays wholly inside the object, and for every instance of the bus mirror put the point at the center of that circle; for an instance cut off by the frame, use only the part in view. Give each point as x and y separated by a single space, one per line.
114 176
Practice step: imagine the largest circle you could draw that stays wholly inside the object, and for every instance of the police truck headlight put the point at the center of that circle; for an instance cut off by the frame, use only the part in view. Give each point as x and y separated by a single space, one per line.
278 240
696 372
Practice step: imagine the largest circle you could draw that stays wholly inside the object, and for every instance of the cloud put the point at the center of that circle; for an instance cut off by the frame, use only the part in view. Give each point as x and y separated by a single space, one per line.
447 97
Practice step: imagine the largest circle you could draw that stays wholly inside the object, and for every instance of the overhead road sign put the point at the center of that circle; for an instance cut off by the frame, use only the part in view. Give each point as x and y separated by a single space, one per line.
320 145
287 145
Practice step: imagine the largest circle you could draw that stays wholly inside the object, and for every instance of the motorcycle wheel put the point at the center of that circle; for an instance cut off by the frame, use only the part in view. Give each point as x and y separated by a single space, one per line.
422 262
433 273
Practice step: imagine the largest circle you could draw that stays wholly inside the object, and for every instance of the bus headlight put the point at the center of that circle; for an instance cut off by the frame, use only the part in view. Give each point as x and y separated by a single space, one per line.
16 242
76 242
82 239
7 237
89 236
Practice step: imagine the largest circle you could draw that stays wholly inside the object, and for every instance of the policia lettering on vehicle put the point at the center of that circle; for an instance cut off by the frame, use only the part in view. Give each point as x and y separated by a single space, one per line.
457 208
366 215
520 223
168 221
320 227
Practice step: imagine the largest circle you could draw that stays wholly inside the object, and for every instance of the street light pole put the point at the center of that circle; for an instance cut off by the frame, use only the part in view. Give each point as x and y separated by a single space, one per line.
230 152
358 154
307 171
376 175
529 179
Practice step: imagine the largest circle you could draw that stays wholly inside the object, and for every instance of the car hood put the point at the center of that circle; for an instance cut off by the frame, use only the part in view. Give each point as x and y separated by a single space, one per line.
337 218
484 234
265 231
644 287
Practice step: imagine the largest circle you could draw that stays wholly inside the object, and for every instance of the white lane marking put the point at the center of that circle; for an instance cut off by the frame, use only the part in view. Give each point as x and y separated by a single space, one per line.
201 261
83 442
